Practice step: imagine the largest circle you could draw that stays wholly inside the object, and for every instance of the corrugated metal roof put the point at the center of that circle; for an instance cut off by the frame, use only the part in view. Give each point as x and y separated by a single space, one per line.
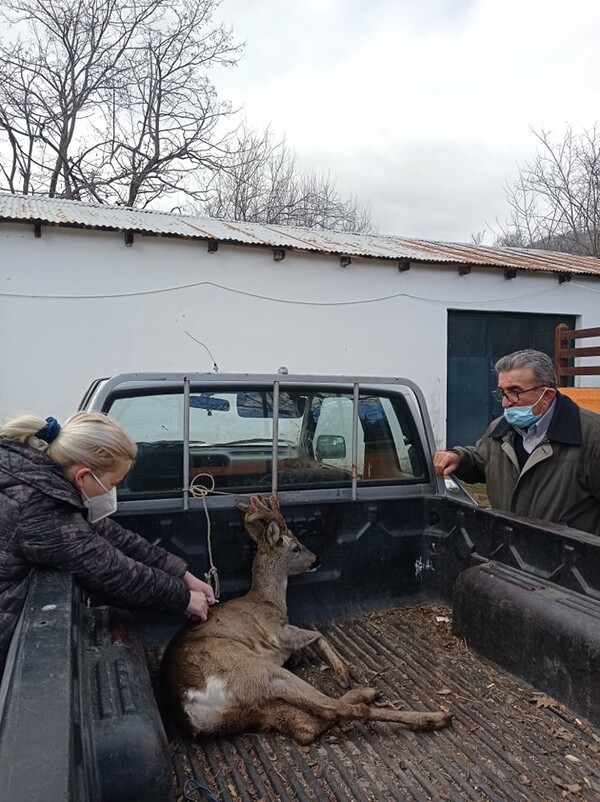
56 211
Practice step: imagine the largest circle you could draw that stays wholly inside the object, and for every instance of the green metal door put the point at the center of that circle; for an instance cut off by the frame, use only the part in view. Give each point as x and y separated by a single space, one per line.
476 340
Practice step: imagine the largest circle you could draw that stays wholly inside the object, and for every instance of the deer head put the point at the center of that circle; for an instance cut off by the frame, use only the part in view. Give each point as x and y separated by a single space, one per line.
277 545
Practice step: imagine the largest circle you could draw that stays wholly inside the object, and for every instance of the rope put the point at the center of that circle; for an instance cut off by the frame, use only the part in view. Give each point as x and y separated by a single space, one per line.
201 492
192 785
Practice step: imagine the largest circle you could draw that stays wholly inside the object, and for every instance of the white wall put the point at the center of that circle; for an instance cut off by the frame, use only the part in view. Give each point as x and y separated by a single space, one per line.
53 347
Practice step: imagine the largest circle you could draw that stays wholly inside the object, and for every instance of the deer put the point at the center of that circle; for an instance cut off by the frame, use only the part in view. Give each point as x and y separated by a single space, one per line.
227 675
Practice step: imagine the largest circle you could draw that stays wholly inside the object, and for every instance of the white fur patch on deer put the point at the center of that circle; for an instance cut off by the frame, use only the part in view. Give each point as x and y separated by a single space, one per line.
205 708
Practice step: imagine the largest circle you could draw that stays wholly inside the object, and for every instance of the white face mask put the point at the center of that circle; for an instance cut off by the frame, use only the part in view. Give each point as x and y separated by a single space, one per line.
100 507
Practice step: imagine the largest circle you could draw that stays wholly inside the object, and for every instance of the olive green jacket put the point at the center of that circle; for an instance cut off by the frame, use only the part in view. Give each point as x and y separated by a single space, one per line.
560 481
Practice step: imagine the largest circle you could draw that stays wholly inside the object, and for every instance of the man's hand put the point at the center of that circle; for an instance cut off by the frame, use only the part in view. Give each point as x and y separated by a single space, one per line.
198 585
445 462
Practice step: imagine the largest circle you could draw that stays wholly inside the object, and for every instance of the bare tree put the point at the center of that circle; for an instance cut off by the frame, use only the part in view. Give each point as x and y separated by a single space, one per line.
110 99
477 237
260 182
555 201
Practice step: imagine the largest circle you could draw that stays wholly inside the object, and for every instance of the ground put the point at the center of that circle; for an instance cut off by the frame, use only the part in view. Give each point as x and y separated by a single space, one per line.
479 493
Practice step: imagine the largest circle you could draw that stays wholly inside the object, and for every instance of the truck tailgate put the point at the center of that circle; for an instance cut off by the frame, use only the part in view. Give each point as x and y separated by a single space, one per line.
507 741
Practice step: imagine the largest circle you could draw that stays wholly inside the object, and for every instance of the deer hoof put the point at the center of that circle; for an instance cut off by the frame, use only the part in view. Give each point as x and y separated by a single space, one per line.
359 696
437 721
342 675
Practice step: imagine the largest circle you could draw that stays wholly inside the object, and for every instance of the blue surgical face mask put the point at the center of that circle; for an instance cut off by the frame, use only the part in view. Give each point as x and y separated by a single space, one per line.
523 417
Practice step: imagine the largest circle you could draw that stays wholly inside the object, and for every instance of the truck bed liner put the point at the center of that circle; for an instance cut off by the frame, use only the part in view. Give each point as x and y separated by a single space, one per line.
507 741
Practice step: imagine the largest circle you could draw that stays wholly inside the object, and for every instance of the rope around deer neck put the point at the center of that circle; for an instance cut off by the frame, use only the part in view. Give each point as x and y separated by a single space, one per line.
201 492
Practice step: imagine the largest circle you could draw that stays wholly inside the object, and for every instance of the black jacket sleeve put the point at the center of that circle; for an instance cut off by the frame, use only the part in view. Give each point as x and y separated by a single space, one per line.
138 548
52 533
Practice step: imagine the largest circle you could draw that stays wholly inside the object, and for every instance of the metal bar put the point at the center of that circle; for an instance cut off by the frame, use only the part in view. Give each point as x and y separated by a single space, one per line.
274 467
355 399
186 443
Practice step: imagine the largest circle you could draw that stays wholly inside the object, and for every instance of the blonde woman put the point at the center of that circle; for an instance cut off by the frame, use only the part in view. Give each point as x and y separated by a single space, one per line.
57 489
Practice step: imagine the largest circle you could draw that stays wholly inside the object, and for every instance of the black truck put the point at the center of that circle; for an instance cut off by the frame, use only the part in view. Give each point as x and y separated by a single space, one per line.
436 602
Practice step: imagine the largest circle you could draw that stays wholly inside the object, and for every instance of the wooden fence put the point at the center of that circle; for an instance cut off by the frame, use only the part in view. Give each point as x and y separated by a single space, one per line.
565 350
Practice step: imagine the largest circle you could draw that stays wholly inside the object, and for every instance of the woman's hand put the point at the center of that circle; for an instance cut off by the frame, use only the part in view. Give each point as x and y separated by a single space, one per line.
197 609
199 586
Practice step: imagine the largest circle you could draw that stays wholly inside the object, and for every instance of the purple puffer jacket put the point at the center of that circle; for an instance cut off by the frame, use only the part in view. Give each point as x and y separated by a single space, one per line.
43 522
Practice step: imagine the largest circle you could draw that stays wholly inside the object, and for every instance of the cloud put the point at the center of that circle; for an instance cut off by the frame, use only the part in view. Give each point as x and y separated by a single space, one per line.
421 108
430 188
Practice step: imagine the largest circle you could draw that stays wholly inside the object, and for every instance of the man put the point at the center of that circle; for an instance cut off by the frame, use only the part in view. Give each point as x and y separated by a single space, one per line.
542 458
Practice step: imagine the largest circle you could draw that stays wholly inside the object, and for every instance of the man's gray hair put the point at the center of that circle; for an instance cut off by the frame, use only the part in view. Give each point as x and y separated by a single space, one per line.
538 362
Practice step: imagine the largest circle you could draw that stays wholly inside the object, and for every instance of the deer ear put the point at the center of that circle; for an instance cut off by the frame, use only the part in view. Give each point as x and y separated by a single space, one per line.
272 533
252 520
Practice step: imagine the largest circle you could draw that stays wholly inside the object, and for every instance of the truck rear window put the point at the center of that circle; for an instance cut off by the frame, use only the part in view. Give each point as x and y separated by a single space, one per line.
231 438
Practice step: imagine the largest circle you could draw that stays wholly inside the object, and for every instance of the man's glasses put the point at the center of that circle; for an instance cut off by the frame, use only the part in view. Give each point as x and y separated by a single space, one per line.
512 396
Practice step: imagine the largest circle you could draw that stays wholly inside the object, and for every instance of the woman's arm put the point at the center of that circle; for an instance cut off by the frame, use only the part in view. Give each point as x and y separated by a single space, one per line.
138 548
52 533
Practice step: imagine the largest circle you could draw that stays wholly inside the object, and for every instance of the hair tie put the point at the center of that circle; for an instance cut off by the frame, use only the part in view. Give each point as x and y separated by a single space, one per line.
50 431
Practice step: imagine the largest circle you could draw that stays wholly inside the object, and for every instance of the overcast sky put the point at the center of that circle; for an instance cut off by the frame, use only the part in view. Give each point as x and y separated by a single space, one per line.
420 108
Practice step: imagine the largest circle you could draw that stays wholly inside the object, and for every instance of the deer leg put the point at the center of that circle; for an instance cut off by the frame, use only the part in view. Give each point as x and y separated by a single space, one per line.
295 658
300 725
359 695
414 720
340 669
298 639
303 726
353 706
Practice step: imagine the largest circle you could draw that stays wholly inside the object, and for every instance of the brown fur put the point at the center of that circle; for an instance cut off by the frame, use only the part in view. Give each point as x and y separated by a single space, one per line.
244 644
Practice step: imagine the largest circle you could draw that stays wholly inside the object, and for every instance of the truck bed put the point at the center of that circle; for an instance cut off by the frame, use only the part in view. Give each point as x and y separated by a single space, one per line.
508 742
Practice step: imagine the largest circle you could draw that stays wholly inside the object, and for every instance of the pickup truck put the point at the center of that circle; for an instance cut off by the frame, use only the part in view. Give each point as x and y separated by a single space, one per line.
434 601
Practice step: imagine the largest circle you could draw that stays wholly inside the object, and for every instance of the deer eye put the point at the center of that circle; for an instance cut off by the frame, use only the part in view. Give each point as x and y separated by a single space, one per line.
296 549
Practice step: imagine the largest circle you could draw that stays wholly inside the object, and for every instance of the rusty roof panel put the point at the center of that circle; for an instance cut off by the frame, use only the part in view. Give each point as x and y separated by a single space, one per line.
56 211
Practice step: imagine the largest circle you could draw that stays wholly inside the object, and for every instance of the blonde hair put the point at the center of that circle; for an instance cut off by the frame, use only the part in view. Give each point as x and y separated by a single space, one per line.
91 439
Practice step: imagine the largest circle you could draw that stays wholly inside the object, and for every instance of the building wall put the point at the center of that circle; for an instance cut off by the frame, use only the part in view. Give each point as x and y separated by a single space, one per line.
77 304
